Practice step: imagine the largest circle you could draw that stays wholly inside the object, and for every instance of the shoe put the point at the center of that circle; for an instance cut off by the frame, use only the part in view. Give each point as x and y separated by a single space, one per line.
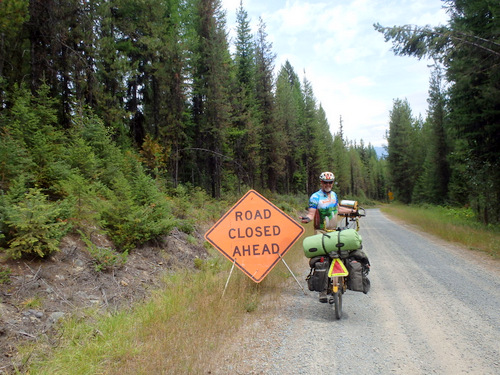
323 298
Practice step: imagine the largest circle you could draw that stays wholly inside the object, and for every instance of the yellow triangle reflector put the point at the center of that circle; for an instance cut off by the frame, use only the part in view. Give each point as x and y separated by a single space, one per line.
337 268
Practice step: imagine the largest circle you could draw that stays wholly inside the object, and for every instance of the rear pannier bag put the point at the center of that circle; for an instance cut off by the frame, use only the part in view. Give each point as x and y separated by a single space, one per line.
357 280
355 277
317 278
341 242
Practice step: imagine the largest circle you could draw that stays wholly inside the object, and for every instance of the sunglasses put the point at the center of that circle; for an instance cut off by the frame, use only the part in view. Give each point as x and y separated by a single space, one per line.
327 182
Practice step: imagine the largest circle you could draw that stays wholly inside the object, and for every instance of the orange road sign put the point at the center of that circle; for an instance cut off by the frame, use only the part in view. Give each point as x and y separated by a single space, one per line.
254 234
337 268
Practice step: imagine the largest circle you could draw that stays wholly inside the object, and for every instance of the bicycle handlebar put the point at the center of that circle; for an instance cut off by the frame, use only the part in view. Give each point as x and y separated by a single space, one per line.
355 213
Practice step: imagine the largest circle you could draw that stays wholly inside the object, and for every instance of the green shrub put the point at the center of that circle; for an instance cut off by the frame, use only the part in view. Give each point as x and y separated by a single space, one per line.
82 195
104 258
5 275
193 203
14 159
132 221
31 122
131 225
35 225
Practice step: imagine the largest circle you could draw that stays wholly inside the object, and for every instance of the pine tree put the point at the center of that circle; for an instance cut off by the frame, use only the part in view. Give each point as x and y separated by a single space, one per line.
288 101
340 166
210 109
401 162
246 130
113 67
325 139
469 49
310 137
14 42
356 180
432 186
272 135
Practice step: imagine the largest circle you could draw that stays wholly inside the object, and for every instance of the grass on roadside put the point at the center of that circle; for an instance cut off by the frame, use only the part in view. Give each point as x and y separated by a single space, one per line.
451 224
178 330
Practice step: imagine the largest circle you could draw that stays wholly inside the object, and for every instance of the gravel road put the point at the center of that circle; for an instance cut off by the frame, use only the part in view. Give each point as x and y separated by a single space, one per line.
433 309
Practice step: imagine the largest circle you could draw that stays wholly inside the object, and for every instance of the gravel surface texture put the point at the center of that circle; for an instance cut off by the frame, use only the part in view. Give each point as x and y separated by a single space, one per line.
433 308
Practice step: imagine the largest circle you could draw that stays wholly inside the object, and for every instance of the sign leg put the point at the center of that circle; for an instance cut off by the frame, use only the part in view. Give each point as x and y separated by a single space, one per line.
283 260
227 282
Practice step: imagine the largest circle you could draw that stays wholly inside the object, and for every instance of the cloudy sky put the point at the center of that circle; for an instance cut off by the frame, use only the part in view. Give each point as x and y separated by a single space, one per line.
353 72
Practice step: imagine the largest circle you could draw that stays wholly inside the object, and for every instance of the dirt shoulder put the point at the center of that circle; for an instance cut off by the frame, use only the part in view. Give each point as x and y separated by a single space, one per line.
41 292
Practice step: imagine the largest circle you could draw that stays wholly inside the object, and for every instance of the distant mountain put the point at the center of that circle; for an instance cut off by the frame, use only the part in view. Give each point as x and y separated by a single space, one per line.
381 152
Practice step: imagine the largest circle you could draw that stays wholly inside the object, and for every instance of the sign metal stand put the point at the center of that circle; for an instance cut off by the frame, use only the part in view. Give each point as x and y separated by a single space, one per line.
301 287
227 282
286 265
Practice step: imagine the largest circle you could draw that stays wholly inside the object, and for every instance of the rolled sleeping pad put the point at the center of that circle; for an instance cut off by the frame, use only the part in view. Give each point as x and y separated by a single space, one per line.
350 204
325 243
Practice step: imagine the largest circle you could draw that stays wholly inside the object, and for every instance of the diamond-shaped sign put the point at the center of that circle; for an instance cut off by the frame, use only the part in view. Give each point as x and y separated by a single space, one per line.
254 234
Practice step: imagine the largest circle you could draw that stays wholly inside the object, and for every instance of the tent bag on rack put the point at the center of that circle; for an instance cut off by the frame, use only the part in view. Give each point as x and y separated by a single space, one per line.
341 242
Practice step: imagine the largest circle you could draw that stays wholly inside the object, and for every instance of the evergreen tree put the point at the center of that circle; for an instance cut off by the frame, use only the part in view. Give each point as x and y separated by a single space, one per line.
356 180
369 163
288 101
272 135
210 84
245 132
325 140
340 165
469 48
475 100
378 178
14 42
158 77
433 182
311 138
111 65
53 27
401 162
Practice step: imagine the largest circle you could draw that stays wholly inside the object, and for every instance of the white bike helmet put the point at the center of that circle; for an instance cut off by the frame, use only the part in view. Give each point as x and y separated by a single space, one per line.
327 177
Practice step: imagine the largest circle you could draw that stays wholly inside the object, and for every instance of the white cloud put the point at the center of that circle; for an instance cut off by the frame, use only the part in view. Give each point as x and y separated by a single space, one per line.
296 18
362 81
352 70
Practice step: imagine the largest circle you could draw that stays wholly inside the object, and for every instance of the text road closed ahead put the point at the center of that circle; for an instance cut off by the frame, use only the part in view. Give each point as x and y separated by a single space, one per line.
254 234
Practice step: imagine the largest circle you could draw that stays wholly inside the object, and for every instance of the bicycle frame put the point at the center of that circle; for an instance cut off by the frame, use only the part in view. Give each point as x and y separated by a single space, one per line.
351 219
337 277
337 284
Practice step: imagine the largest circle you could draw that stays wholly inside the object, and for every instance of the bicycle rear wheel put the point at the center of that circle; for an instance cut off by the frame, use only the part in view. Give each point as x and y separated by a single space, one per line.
337 303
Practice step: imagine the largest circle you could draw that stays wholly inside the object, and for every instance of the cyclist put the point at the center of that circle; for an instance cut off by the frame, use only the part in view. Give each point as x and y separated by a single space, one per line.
323 209
323 205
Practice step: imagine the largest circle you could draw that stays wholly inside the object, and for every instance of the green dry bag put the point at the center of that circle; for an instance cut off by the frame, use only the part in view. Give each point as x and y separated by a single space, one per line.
340 242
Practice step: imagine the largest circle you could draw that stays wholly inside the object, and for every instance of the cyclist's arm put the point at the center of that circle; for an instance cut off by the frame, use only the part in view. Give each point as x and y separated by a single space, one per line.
344 210
310 215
